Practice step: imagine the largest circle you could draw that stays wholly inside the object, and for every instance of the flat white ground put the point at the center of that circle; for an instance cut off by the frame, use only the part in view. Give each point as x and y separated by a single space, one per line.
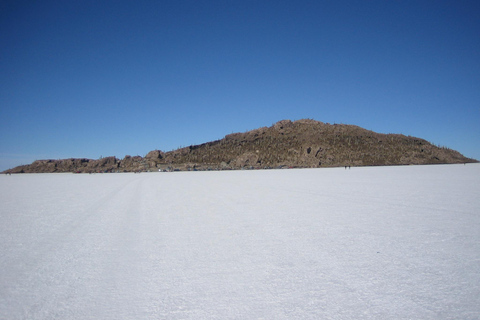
364 243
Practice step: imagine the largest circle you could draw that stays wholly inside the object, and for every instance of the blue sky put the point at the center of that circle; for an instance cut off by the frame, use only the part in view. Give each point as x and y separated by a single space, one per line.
115 78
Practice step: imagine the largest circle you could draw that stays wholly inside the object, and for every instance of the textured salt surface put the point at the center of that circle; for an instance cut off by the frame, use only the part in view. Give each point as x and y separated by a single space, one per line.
365 243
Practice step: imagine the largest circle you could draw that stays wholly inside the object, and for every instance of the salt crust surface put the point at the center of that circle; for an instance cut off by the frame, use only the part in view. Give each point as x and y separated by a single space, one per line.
364 243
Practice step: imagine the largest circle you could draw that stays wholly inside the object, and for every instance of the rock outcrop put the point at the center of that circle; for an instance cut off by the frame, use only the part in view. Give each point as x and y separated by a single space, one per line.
302 143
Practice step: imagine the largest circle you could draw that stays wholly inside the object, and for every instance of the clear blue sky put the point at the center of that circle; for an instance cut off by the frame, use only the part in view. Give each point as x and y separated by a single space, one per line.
111 78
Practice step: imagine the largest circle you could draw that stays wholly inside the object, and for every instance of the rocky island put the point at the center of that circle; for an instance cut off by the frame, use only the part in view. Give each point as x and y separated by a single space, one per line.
300 144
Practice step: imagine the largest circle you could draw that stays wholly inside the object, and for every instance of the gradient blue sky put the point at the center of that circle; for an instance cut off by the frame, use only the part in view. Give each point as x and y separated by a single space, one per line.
111 78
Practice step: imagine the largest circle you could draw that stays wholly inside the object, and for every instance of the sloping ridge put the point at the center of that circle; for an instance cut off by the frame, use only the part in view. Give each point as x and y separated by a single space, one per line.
303 143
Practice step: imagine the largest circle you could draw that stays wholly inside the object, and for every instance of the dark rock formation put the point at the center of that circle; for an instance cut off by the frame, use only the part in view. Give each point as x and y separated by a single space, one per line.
153 158
303 143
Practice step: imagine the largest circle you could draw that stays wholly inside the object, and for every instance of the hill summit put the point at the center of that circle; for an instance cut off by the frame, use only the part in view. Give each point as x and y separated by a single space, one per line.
303 143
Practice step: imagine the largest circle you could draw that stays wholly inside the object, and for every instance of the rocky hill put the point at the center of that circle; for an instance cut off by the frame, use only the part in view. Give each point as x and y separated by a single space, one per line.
303 143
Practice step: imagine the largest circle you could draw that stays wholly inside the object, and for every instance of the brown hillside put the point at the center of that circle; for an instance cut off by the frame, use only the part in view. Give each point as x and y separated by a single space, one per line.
303 143
310 143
